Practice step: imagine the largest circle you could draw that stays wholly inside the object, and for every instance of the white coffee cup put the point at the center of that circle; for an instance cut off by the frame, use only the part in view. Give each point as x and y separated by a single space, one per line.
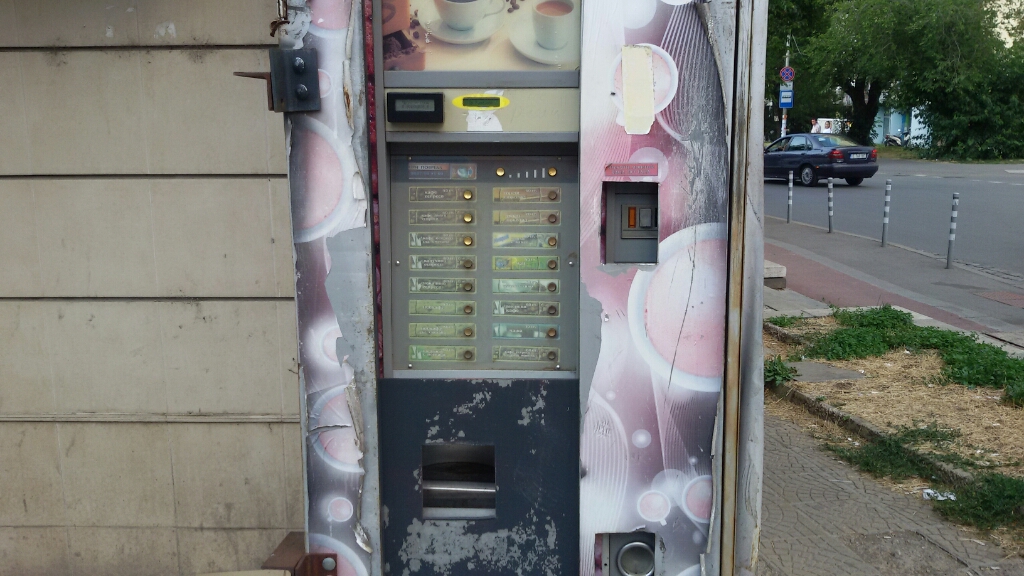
553 22
464 14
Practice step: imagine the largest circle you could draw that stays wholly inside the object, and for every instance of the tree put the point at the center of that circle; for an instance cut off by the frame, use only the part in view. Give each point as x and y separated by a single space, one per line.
857 53
965 79
799 20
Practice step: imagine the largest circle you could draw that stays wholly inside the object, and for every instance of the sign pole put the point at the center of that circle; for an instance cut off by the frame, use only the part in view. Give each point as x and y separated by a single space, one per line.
785 111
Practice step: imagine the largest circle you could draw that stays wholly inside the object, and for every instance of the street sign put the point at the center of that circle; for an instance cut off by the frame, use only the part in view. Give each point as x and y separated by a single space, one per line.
787 85
785 98
787 73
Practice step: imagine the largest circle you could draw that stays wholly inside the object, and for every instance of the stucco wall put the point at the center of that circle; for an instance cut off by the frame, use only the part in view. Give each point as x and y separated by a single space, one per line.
148 379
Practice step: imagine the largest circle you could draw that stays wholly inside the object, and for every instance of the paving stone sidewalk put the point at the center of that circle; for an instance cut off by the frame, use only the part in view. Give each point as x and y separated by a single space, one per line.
821 517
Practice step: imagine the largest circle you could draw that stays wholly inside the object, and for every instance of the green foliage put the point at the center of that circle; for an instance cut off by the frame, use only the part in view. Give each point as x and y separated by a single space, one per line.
777 372
884 457
883 318
875 331
784 321
989 501
992 500
944 58
847 343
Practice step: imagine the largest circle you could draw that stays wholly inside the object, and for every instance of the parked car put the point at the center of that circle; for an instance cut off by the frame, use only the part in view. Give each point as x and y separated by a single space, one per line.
815 156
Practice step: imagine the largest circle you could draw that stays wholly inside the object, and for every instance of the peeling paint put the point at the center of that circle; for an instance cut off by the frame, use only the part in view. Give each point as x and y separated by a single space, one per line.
444 545
530 412
480 400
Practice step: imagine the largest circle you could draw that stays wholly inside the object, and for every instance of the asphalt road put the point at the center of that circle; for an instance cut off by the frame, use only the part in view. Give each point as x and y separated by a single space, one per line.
990 223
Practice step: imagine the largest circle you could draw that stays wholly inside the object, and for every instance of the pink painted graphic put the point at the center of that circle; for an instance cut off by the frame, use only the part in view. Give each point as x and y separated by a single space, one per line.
650 416
328 193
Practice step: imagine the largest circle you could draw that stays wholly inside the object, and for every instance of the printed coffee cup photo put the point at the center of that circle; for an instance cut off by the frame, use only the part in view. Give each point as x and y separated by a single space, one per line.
465 14
553 23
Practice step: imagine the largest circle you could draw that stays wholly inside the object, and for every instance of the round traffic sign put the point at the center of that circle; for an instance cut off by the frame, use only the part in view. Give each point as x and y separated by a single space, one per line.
787 73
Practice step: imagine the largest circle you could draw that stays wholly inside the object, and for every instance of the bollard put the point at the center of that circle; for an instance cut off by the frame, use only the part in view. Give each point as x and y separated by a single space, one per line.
885 212
829 205
789 205
952 231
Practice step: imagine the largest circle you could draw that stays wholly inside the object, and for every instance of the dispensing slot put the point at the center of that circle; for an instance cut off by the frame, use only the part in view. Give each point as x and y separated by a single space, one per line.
458 482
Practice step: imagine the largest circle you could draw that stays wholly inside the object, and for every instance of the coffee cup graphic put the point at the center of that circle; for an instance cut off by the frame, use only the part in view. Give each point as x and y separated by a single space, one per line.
465 14
554 23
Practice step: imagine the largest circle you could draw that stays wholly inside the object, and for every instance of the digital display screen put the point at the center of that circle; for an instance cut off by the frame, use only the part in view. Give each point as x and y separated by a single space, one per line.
417 105
481 102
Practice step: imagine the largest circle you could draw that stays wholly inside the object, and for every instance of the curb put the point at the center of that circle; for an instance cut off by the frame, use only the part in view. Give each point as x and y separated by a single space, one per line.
948 473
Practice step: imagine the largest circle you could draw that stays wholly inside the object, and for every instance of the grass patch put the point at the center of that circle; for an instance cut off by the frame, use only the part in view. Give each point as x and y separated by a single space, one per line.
784 321
875 331
885 457
898 153
777 372
990 501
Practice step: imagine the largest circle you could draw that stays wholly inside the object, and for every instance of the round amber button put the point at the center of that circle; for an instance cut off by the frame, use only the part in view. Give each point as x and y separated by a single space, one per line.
552 171
552 286
552 241
552 355
468 286
468 354
552 264
468 309
552 332
552 218
467 217
553 195
467 332
468 240
552 310
500 171
467 194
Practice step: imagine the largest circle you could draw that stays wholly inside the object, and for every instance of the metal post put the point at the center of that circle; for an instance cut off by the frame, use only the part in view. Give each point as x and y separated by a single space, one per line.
789 205
952 231
829 205
885 212
785 111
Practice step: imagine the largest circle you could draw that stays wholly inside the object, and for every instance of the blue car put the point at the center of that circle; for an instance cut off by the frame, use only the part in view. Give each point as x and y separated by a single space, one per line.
815 156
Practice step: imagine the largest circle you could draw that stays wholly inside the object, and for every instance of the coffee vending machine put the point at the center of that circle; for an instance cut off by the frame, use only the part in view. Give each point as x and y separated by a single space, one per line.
513 304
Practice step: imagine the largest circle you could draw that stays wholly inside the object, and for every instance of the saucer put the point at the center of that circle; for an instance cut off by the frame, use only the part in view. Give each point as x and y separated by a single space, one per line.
524 39
483 30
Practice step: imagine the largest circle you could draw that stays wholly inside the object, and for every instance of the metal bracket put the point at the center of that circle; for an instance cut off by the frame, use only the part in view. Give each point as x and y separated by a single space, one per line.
293 83
291 556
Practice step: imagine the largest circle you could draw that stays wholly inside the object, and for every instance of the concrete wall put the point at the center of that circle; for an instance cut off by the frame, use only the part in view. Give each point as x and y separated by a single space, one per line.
148 382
